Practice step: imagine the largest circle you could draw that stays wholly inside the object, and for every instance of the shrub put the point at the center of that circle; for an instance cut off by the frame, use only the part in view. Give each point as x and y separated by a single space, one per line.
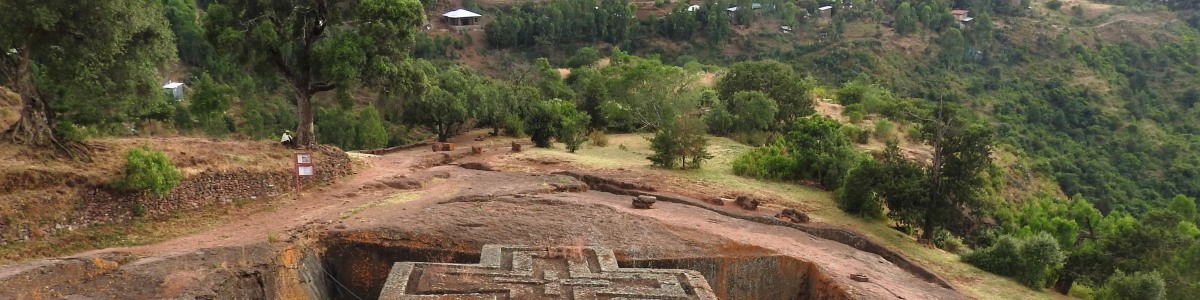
680 144
1054 4
1029 259
856 112
914 133
514 126
583 57
856 195
767 162
883 129
148 170
598 138
946 240
1140 286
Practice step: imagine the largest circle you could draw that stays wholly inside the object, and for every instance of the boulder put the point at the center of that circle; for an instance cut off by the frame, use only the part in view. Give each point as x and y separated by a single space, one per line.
644 202
793 215
747 202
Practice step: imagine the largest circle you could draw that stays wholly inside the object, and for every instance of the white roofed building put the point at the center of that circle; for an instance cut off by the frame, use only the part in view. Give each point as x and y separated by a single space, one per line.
462 19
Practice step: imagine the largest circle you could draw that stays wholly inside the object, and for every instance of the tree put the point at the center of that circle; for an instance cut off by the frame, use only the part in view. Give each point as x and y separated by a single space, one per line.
647 94
681 141
775 79
906 19
954 46
574 125
583 57
961 152
443 112
752 110
1139 285
371 133
315 45
99 54
1028 259
556 118
209 97
1184 206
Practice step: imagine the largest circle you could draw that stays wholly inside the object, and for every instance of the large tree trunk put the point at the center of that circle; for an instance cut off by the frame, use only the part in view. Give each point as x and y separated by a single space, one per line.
304 114
36 126
1064 283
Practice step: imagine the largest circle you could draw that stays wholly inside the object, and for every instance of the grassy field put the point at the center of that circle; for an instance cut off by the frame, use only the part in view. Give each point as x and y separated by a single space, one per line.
629 151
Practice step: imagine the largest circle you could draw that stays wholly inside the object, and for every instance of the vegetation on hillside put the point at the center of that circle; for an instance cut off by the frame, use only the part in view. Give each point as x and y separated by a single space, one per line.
1108 118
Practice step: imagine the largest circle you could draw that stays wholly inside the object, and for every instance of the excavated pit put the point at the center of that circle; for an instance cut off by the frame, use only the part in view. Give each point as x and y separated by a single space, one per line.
359 269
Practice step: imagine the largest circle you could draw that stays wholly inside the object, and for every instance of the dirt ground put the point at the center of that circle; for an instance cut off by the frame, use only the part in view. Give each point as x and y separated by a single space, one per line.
410 196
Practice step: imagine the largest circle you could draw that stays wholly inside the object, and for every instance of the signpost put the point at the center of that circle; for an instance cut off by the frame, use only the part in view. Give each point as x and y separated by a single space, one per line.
304 167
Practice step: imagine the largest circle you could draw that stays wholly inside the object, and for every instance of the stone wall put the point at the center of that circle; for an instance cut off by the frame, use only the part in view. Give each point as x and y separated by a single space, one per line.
101 205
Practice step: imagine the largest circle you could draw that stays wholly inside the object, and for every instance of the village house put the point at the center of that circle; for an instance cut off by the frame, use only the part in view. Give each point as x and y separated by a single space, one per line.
462 19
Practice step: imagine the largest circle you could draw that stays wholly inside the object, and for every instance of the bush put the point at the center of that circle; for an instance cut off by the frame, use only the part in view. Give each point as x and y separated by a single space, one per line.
883 129
946 240
514 126
1054 4
767 162
856 112
598 138
1139 286
856 197
148 170
583 57
680 144
1029 259
816 149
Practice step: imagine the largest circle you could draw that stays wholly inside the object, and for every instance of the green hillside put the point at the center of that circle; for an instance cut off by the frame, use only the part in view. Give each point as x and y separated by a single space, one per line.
1048 141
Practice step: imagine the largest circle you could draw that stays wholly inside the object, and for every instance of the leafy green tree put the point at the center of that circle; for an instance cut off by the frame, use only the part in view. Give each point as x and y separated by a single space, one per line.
906 19
440 110
775 79
573 124
647 94
110 74
752 110
1184 206
556 118
681 144
1139 285
719 120
371 132
858 195
961 152
954 46
583 57
210 98
189 36
551 83
314 45
1029 259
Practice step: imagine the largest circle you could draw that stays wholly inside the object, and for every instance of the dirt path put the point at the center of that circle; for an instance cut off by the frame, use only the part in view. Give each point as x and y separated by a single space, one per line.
322 204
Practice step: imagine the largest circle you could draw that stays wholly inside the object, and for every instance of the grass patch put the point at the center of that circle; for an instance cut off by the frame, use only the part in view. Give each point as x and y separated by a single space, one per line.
396 198
631 154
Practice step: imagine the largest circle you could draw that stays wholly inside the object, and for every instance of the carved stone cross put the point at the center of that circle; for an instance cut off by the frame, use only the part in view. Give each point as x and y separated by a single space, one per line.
520 272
